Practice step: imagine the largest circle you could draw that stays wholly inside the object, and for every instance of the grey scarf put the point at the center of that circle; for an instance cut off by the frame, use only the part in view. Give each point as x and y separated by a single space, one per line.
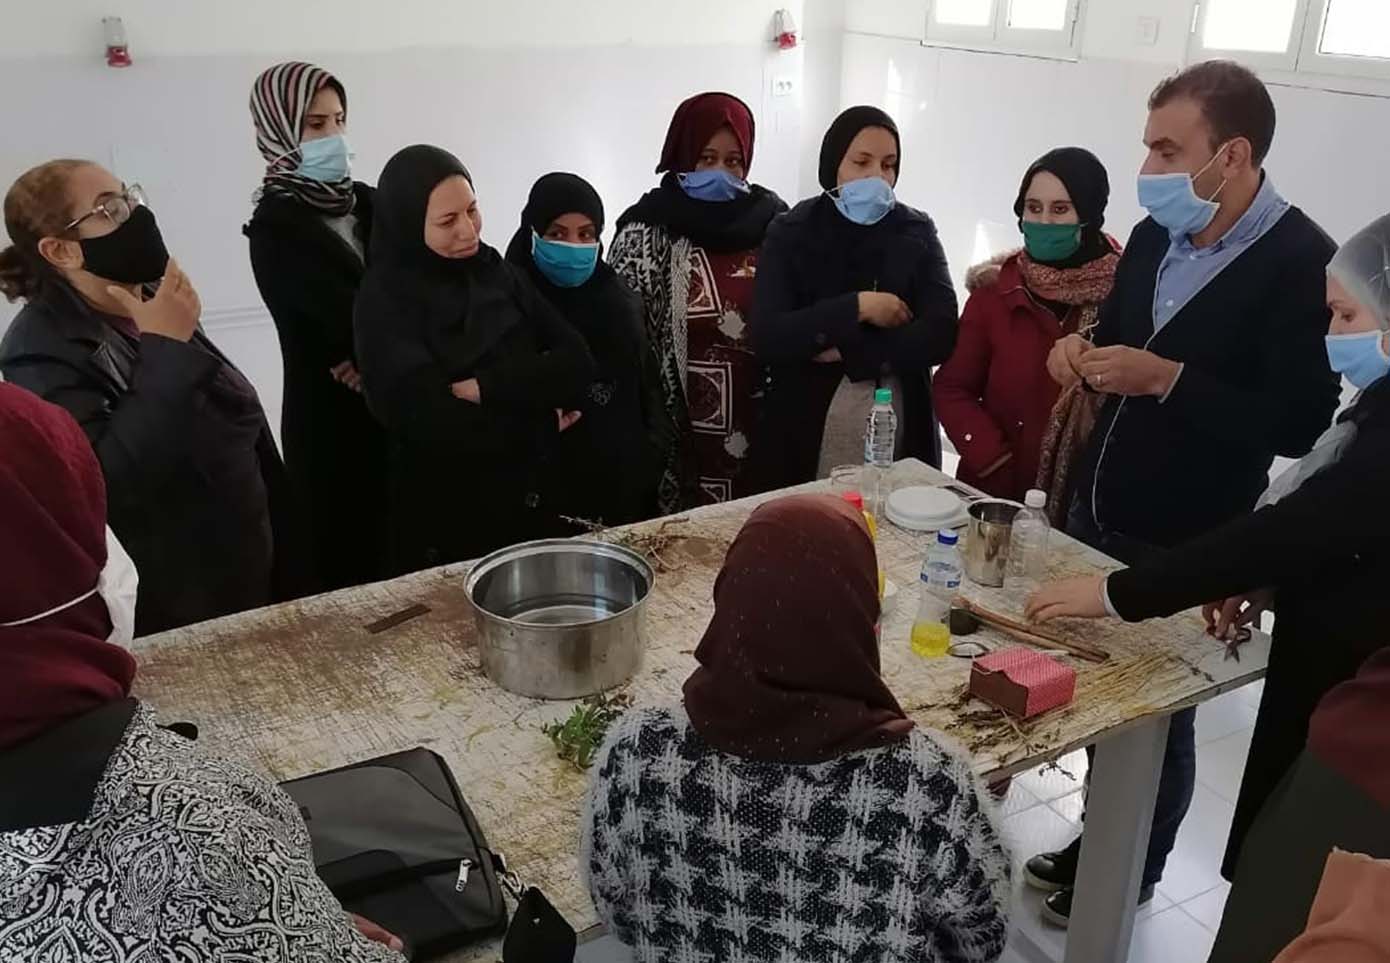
1326 450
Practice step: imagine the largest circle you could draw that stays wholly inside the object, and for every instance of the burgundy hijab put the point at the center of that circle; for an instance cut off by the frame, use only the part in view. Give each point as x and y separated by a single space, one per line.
52 548
1350 730
789 668
698 119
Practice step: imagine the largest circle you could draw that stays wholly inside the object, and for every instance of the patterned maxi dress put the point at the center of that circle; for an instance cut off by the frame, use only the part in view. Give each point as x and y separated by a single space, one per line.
184 857
696 306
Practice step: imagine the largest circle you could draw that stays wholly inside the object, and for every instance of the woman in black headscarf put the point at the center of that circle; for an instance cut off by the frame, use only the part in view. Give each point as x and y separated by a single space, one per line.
689 249
606 468
1006 415
853 294
469 369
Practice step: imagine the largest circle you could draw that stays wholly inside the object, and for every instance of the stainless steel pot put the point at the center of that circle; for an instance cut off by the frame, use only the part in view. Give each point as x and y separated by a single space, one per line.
560 618
986 552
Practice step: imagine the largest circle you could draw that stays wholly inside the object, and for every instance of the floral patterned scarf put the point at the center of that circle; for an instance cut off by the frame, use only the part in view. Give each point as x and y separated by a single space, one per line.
1073 416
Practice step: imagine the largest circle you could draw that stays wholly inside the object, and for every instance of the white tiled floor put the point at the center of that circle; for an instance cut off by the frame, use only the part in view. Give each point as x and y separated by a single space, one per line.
1181 922
1042 812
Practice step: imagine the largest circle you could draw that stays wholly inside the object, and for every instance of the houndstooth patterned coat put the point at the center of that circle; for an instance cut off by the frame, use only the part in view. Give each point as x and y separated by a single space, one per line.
886 855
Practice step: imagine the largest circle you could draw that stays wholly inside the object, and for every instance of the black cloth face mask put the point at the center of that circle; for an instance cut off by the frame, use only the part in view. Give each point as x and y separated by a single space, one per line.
133 253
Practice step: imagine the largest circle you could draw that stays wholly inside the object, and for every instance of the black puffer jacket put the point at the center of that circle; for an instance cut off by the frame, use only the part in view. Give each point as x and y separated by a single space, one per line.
196 490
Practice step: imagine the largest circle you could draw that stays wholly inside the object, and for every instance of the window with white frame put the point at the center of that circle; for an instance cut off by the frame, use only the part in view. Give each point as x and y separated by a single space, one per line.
1040 27
1346 37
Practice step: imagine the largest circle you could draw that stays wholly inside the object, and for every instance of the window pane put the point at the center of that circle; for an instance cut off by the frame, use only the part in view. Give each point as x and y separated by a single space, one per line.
1255 25
1357 28
963 13
1038 14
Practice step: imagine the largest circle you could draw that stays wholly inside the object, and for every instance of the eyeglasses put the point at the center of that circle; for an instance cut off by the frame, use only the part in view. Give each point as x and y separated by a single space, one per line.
116 209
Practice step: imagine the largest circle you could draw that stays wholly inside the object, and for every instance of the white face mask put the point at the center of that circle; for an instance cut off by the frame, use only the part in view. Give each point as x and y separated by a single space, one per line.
116 585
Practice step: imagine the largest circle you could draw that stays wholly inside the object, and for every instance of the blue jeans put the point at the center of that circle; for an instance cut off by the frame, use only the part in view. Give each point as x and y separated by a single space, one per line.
1179 776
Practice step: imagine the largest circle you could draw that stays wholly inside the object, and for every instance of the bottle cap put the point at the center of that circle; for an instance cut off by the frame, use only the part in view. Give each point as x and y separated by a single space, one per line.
854 498
1036 498
883 396
946 537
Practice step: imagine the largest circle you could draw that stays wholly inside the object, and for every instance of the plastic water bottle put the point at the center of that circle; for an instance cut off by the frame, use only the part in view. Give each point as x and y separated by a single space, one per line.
880 441
940 581
1027 562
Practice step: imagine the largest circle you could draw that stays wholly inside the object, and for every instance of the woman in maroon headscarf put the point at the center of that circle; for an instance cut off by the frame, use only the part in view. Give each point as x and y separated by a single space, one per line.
689 248
790 810
122 840
53 550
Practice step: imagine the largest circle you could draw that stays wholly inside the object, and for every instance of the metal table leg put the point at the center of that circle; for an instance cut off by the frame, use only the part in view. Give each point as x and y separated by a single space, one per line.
1119 814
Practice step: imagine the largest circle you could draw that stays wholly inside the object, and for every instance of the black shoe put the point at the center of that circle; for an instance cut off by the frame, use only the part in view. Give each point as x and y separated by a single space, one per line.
1056 909
1050 872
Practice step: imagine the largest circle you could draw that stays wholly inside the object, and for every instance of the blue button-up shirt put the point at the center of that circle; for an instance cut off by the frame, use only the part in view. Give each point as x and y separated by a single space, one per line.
1186 269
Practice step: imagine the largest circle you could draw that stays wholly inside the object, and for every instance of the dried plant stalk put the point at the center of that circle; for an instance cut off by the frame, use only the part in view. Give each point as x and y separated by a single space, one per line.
657 545
1031 633
985 730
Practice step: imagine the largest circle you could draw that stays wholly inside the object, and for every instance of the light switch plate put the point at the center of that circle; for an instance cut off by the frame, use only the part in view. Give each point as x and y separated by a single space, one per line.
1147 33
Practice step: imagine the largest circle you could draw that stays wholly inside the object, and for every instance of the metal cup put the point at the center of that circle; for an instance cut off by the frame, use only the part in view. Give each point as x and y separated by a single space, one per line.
986 553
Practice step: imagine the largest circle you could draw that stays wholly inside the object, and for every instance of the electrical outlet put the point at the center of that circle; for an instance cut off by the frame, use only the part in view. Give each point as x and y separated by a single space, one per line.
1147 34
783 86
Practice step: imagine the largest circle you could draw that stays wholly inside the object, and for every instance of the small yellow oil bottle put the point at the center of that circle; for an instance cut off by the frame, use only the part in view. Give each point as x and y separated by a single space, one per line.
930 639
931 630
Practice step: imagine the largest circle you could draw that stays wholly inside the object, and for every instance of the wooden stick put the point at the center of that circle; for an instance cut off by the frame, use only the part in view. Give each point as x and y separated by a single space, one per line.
1032 634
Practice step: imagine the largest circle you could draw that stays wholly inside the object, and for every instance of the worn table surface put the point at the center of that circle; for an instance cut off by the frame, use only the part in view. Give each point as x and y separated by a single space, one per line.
305 686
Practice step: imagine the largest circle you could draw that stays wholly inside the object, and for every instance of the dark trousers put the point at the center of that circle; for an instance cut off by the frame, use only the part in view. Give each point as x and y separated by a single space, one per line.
1179 776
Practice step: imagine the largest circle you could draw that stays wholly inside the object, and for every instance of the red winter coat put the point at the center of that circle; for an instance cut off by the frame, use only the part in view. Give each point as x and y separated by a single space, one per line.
994 394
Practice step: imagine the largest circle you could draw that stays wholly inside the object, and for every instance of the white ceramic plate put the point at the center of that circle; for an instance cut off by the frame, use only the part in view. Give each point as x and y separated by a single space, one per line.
924 508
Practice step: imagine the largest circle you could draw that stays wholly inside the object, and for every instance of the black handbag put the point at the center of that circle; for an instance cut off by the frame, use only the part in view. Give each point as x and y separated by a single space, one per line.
395 841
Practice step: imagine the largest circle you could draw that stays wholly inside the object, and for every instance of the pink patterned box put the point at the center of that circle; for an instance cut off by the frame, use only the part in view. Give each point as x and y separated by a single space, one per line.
1022 682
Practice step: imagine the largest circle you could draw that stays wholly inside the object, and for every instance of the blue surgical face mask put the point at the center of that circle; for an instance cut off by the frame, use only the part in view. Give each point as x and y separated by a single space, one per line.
564 265
326 160
865 201
1361 358
712 184
1172 201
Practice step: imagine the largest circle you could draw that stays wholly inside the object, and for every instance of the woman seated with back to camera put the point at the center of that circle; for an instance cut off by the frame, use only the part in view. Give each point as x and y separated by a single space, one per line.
790 810
110 331
123 841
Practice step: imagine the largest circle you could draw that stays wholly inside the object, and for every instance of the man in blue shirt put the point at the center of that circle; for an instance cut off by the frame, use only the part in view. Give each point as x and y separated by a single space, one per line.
1209 354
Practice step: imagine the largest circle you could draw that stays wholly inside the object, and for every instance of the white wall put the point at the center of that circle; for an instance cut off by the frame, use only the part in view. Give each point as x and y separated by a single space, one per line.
295 27
822 69
515 89
972 122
